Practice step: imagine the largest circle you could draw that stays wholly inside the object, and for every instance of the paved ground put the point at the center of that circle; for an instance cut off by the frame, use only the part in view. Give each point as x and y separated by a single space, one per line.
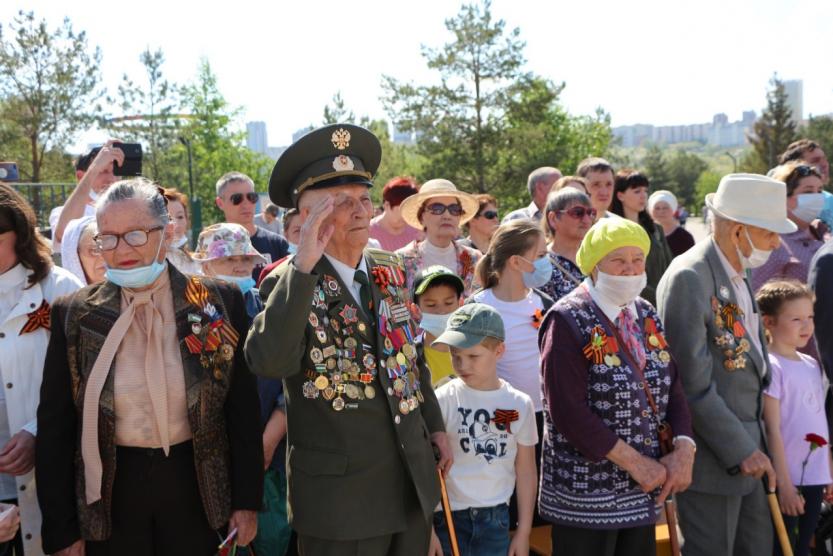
696 227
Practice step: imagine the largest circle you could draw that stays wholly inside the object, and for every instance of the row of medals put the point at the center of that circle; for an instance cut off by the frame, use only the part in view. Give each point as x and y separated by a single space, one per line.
339 375
612 360
734 356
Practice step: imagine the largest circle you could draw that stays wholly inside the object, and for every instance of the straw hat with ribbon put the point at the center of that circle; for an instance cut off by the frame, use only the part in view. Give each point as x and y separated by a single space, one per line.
438 188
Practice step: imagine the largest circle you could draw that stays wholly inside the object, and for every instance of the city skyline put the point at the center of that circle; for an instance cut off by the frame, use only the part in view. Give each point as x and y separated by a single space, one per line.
637 61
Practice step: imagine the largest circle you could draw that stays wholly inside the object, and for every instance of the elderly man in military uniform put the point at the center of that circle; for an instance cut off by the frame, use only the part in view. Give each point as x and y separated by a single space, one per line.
337 328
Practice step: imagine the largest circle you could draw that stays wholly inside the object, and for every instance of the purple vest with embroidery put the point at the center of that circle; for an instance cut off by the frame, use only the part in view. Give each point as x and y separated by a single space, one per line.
601 495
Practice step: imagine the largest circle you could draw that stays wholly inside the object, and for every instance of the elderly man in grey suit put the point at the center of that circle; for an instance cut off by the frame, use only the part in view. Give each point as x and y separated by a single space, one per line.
716 337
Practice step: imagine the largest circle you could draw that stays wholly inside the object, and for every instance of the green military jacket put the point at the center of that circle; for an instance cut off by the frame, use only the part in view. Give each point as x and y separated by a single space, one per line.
359 402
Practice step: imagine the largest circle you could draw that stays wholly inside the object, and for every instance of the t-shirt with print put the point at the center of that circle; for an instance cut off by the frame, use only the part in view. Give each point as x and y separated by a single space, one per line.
484 428
800 388
521 364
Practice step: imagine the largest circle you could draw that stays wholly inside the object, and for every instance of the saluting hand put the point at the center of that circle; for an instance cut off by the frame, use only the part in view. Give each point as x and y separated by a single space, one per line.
315 235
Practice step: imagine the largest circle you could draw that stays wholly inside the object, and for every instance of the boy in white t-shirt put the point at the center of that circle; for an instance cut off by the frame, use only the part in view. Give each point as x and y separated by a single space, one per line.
491 427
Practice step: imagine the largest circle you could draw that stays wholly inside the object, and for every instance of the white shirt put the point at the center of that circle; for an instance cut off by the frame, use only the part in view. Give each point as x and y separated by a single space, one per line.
520 366
483 473
55 215
445 256
750 318
348 274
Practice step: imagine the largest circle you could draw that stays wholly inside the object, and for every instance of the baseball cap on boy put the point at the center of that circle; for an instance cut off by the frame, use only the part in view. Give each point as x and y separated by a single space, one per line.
471 324
433 275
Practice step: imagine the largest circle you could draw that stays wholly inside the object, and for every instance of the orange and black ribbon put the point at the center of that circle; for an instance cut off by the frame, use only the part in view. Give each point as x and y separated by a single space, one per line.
39 318
730 312
505 417
652 330
595 349
196 293
537 319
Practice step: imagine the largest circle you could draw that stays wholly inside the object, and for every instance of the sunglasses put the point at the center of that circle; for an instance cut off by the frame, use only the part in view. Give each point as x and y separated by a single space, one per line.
134 238
488 215
237 198
803 171
438 208
580 212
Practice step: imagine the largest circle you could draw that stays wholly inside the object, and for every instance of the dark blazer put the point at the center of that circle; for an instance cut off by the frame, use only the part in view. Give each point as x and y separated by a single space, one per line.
821 280
355 473
726 404
222 411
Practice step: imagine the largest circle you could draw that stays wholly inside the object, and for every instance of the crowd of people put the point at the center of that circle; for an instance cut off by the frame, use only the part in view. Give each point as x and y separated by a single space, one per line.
310 378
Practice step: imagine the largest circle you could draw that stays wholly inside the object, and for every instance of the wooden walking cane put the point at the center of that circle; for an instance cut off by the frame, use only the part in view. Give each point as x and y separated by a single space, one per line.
455 550
671 520
778 520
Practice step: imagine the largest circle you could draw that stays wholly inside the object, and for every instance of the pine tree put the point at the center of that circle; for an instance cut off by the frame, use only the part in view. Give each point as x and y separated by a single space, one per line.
774 130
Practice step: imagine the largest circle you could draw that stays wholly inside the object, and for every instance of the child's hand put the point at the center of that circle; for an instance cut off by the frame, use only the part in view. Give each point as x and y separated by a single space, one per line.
520 544
792 503
435 548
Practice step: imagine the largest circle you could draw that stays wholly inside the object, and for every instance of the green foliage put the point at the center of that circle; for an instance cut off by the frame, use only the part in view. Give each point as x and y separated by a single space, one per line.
48 87
705 184
488 122
676 171
337 113
147 114
772 132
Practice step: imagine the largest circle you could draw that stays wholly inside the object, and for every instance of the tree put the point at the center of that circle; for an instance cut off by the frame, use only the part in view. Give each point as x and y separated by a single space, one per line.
706 183
462 119
773 131
48 84
656 168
685 168
217 147
337 113
147 114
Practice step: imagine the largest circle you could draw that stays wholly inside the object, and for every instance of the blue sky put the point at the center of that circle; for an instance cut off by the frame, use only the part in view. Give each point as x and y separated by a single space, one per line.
659 62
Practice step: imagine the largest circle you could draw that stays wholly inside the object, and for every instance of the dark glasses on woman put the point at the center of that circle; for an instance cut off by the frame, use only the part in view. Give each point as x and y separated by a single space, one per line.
580 212
804 170
488 215
437 209
237 198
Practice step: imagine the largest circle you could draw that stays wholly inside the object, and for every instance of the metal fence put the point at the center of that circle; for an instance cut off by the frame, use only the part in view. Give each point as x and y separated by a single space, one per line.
43 197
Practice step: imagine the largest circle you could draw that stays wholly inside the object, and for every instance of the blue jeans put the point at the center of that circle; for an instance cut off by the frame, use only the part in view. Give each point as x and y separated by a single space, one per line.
480 531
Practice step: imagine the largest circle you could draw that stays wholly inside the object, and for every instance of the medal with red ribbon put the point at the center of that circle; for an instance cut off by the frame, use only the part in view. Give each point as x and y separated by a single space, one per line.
39 318
505 418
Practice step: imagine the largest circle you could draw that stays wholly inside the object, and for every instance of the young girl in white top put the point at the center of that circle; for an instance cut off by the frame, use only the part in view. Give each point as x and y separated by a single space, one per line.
794 410
517 263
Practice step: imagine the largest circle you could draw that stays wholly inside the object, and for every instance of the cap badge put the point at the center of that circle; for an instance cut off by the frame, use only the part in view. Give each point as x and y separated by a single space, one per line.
341 139
342 163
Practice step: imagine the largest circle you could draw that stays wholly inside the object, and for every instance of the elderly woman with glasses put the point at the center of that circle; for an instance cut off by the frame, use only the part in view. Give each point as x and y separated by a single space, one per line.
440 209
149 438
567 217
805 202
482 227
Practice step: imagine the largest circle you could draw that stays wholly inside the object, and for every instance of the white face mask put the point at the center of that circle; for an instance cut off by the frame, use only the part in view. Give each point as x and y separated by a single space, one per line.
757 258
434 324
178 242
620 290
808 206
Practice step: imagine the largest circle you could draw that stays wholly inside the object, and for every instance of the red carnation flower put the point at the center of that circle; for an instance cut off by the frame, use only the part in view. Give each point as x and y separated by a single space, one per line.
816 440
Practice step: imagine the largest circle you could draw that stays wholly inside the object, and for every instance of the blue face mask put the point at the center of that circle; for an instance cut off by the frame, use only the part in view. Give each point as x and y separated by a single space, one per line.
540 275
292 249
138 277
245 283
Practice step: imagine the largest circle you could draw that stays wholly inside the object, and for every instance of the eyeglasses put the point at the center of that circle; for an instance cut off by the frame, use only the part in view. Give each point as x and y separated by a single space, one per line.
237 198
134 238
488 215
438 208
804 170
580 212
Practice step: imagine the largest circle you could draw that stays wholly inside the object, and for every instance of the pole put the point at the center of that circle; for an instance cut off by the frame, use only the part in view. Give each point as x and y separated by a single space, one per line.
778 520
452 535
196 209
671 520
734 160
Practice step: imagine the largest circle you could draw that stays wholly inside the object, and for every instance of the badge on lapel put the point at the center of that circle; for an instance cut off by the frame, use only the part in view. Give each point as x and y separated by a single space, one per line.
39 318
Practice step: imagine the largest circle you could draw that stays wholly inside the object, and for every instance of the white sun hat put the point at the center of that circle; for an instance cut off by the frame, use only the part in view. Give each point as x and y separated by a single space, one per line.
752 199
